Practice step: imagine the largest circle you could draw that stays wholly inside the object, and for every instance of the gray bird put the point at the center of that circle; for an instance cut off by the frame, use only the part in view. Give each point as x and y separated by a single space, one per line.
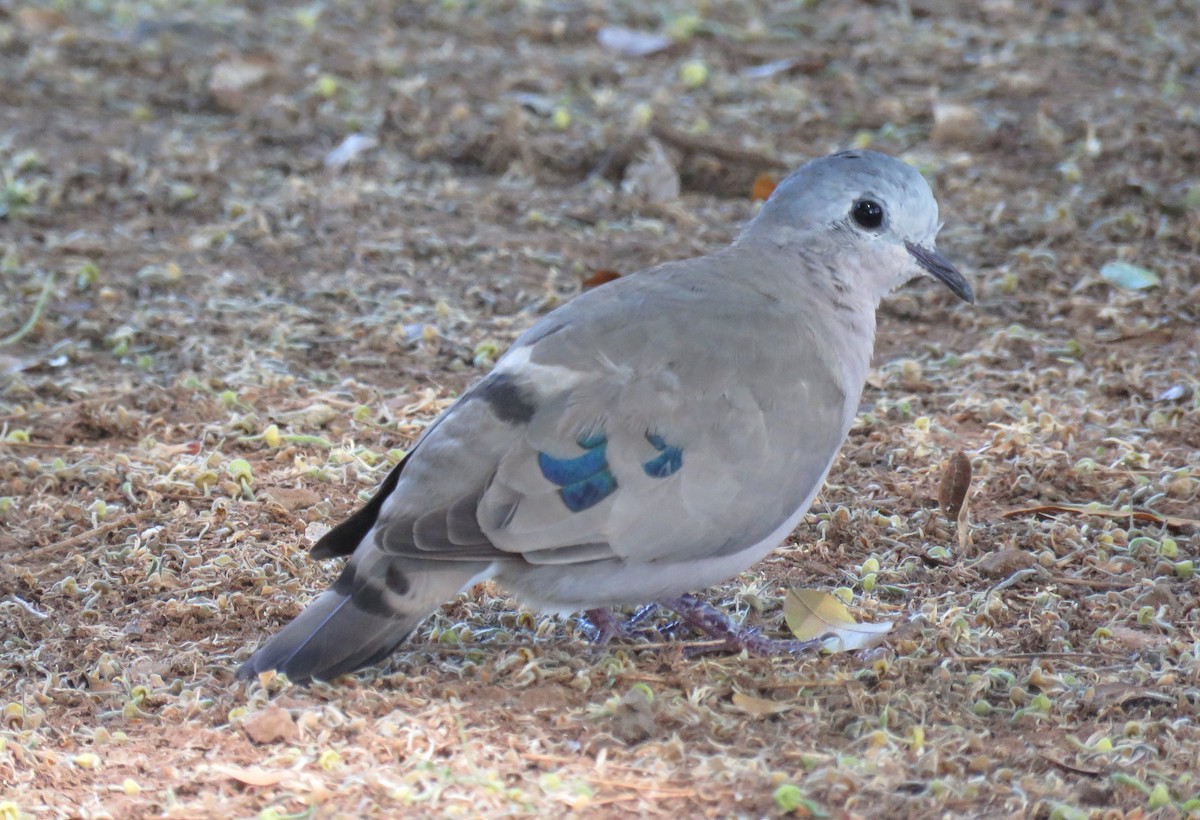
652 437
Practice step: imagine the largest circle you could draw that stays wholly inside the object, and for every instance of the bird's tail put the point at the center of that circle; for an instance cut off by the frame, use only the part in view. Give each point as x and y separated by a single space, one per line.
361 620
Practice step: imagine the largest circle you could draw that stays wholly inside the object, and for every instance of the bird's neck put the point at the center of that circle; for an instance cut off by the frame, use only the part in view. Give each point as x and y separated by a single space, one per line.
828 296
850 312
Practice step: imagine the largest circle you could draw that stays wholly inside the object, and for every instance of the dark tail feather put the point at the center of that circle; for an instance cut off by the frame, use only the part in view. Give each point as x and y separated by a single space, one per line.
360 621
329 638
344 539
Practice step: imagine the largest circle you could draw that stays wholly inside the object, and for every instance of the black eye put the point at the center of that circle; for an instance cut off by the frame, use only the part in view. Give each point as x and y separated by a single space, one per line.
868 213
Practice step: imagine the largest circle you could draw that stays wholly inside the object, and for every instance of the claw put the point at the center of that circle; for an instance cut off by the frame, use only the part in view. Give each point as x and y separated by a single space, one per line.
716 624
602 625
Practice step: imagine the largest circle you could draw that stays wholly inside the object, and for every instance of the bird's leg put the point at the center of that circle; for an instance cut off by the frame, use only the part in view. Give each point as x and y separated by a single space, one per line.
602 625
640 614
716 624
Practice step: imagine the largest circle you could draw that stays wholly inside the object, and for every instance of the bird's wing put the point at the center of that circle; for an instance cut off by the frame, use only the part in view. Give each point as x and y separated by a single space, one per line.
668 417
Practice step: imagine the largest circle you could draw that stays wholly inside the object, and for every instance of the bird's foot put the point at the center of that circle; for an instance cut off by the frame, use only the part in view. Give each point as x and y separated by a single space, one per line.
706 618
602 625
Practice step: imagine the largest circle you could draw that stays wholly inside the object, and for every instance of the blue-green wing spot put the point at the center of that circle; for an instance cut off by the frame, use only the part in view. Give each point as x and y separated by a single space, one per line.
589 492
585 480
667 462
567 471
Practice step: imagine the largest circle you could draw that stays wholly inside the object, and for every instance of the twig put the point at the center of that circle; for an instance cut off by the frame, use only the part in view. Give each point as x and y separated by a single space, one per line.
692 142
1021 656
465 648
809 684
547 758
24 329
1017 577
1070 767
659 791
617 798
84 537
62 408
1172 521
1084 582
28 607
648 647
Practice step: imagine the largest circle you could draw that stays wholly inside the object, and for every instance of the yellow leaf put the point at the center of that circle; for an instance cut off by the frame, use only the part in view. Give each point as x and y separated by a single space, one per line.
759 707
813 614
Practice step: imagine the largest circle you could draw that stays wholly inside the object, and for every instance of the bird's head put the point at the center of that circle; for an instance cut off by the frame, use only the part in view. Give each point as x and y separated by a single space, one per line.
871 217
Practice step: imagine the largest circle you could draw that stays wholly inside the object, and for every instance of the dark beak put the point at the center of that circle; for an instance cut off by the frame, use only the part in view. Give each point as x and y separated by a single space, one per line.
939 268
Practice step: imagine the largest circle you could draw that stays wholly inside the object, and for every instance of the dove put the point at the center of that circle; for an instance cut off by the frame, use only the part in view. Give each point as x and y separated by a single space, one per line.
648 439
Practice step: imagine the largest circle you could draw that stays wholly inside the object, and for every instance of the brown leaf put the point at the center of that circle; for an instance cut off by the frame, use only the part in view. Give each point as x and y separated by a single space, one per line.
1107 695
956 482
1138 640
599 277
955 124
292 498
308 418
1003 563
269 724
763 185
634 718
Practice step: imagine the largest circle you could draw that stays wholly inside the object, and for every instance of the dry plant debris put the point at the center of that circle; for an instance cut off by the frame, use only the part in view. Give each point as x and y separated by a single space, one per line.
246 253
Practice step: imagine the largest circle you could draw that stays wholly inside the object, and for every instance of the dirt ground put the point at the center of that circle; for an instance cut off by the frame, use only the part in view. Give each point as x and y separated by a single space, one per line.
221 323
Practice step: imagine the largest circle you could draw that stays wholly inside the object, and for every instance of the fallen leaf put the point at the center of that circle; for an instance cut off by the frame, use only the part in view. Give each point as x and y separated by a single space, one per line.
269 724
634 718
631 43
955 123
652 177
764 185
1138 640
1173 393
234 76
813 614
1129 277
316 415
541 104
599 277
1109 695
349 150
11 364
315 531
765 70
1004 563
251 775
292 498
759 707
956 481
